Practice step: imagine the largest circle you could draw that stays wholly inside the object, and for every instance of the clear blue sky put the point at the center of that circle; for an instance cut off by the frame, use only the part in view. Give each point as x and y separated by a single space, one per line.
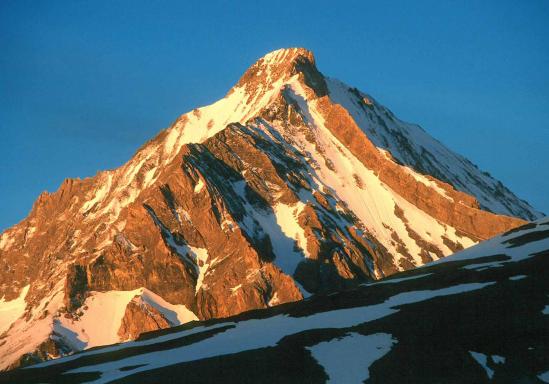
84 83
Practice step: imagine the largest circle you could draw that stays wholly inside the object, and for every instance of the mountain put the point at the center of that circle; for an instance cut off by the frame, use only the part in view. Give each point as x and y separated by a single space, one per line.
292 184
478 316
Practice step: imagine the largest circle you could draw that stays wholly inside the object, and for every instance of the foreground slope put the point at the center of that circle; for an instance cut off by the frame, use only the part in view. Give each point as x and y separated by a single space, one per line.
292 184
479 316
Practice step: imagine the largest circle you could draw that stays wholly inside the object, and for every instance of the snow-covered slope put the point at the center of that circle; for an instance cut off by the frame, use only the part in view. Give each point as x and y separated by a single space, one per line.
98 322
479 316
410 145
11 310
103 312
290 185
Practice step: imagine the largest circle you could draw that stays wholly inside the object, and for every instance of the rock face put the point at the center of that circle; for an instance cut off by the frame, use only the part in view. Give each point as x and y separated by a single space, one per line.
141 317
292 184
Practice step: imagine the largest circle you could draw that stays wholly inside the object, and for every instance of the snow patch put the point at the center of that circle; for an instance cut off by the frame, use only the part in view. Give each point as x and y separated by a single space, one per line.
544 377
287 219
149 177
176 314
278 226
391 281
6 241
30 232
201 257
103 313
100 193
12 310
482 359
99 323
199 186
235 288
274 300
498 359
518 277
482 266
340 358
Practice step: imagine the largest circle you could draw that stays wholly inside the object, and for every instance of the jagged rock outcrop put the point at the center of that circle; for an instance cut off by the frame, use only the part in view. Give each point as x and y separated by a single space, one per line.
141 317
292 184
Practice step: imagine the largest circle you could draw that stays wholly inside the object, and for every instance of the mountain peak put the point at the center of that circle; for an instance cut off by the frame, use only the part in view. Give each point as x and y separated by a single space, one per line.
287 55
281 65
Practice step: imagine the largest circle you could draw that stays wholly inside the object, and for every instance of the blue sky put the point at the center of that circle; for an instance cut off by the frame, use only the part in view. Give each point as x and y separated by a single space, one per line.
84 83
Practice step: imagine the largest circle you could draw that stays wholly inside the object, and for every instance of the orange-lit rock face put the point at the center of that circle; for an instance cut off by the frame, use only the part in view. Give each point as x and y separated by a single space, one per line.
140 317
271 194
280 66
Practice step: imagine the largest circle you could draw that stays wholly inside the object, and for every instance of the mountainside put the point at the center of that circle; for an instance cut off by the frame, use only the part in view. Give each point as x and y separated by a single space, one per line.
292 184
475 317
